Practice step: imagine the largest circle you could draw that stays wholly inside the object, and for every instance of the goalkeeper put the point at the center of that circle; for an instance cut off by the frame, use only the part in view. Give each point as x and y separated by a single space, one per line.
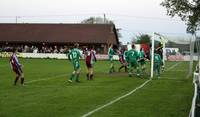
157 63
159 51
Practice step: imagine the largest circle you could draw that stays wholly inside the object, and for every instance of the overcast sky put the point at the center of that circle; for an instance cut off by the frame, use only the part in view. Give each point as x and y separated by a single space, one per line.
132 16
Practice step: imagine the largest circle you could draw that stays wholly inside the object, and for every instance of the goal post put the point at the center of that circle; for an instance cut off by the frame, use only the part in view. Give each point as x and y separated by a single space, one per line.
152 54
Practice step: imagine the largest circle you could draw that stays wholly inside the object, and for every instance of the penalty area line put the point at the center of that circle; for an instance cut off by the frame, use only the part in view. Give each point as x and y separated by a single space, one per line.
116 100
47 78
124 96
173 66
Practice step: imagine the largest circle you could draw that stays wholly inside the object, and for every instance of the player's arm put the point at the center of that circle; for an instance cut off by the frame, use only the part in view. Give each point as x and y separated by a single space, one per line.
160 60
160 47
85 55
69 56
145 56
79 54
115 52
95 59
109 51
137 54
127 56
17 62
10 61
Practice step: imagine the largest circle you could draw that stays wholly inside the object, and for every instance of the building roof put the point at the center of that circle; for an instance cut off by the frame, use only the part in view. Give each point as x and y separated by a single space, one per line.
58 33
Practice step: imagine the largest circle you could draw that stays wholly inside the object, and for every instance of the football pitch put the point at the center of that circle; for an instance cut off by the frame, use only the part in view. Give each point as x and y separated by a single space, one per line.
48 94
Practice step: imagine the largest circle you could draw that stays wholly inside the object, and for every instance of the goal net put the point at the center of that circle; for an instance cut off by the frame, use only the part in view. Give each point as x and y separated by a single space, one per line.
173 48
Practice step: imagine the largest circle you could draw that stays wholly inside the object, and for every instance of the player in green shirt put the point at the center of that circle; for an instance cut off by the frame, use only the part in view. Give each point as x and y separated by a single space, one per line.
141 59
157 63
111 52
132 56
74 56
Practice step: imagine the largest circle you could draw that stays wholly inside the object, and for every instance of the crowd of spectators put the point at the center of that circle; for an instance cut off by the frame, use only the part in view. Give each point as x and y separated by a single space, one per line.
41 48
35 48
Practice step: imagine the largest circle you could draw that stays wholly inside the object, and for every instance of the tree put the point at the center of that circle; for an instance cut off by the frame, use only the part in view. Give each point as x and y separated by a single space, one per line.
187 10
97 20
143 39
100 20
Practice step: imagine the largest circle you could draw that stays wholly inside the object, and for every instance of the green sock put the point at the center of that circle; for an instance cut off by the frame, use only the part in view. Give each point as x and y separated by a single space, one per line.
77 77
110 70
113 69
72 76
138 71
130 71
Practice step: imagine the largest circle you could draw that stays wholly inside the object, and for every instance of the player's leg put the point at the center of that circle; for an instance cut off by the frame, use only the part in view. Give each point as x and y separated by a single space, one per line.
137 69
122 62
130 69
77 71
91 73
16 79
143 63
139 65
111 65
158 71
88 70
163 67
122 66
143 67
136 66
126 66
73 73
17 76
72 76
22 79
21 76
77 75
155 67
88 73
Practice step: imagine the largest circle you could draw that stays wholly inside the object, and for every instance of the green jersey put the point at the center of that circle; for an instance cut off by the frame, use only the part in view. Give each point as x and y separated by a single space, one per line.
126 55
111 52
132 55
74 54
141 54
157 58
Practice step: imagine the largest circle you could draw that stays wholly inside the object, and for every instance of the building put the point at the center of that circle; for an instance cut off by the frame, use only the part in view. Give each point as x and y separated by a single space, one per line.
99 35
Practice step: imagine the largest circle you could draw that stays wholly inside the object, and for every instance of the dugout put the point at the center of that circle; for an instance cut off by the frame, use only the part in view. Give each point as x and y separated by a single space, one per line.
98 35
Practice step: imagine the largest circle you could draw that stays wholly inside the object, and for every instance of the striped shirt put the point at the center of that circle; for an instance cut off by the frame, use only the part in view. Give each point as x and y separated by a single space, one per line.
15 62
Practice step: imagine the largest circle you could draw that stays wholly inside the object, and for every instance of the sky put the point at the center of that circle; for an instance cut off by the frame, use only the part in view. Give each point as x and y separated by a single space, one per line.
133 17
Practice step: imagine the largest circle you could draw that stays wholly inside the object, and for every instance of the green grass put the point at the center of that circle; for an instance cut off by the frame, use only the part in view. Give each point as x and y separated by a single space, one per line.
52 96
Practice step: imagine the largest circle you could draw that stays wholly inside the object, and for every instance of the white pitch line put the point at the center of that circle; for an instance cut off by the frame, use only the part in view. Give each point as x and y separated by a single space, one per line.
121 97
173 66
115 100
51 77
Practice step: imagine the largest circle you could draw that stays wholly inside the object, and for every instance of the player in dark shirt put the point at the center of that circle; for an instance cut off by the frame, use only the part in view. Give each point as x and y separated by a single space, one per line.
90 59
122 60
16 67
